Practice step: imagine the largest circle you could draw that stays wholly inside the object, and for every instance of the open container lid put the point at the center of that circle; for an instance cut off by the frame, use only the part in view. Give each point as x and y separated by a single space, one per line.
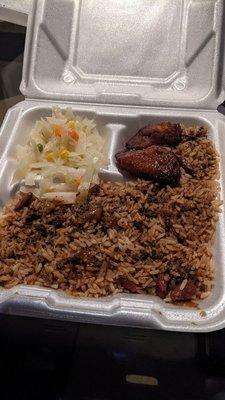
166 53
146 53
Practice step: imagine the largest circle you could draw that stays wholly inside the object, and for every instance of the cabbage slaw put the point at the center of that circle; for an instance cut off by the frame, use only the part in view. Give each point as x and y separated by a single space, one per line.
62 157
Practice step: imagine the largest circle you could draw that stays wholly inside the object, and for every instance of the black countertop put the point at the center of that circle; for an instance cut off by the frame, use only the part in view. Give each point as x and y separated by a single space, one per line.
47 359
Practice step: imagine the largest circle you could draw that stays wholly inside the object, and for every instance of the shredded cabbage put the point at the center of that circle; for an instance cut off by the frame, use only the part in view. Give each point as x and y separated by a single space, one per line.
62 156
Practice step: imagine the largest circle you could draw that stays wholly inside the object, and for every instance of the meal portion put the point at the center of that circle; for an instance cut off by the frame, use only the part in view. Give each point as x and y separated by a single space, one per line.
155 163
152 235
148 155
62 157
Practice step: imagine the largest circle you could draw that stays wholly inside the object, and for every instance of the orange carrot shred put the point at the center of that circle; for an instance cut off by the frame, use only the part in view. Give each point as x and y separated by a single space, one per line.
57 130
74 135
78 180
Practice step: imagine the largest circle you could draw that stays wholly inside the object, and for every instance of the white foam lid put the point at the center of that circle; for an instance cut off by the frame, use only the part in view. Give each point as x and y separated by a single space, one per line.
166 53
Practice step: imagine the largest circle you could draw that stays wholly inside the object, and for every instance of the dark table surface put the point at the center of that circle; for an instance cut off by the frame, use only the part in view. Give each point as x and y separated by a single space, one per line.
47 359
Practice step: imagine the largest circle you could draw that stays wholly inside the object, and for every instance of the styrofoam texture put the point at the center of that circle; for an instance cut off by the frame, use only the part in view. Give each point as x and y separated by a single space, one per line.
167 53
15 11
123 309
139 54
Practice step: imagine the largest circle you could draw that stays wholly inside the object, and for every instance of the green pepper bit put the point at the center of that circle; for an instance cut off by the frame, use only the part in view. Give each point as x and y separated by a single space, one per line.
40 147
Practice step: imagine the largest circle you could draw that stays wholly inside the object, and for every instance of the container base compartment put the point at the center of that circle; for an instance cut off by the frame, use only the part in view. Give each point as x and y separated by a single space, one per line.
122 309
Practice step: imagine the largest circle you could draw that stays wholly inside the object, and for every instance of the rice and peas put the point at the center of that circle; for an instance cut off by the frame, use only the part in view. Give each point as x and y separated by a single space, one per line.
121 236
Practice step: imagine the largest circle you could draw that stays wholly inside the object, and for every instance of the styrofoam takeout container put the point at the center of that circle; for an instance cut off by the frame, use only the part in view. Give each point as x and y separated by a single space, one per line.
125 63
